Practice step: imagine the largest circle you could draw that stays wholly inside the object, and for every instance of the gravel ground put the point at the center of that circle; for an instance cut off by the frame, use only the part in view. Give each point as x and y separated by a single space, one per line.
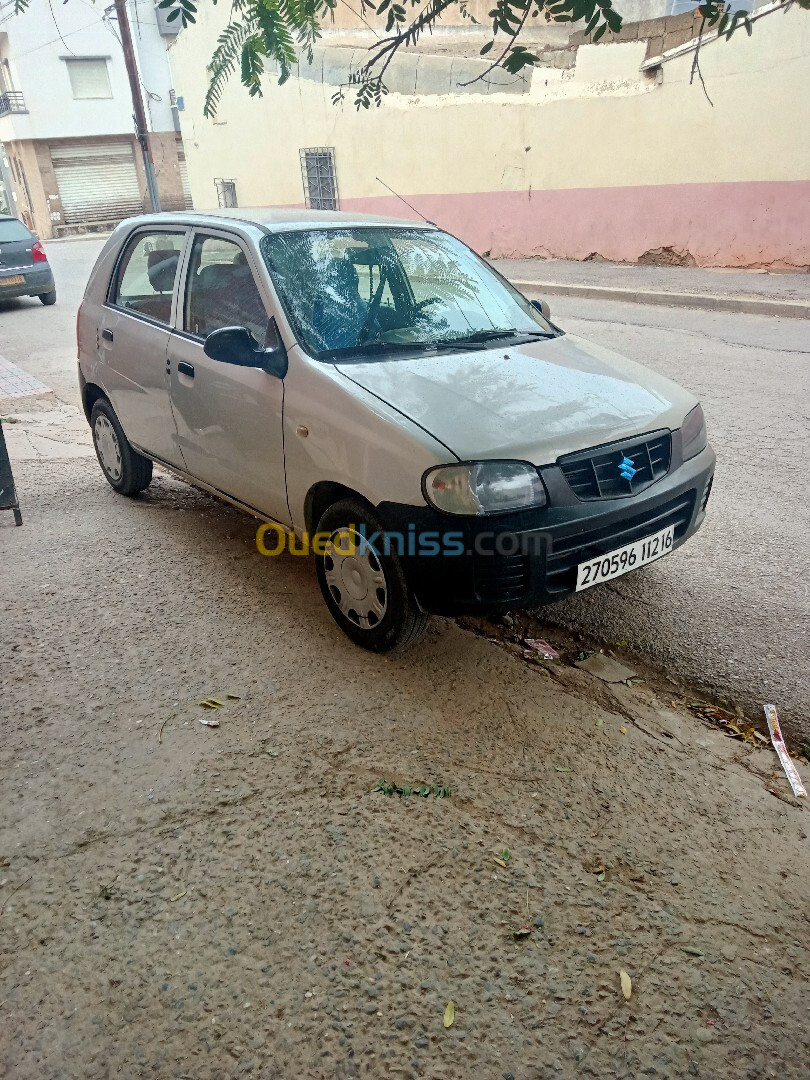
181 901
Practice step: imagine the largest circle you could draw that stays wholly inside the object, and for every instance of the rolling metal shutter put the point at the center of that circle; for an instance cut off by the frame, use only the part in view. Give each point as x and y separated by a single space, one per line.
181 158
97 181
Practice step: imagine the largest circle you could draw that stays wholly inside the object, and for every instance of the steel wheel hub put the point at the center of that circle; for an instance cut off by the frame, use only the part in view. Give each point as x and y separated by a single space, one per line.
109 451
355 578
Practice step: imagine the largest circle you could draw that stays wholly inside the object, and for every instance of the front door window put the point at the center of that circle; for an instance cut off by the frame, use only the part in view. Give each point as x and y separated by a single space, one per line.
221 290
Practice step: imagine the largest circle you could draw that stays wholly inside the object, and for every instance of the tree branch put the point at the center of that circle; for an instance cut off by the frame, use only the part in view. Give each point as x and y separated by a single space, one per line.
509 44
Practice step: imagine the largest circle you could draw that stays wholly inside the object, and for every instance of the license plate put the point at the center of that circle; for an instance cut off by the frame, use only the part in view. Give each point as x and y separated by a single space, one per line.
17 279
619 562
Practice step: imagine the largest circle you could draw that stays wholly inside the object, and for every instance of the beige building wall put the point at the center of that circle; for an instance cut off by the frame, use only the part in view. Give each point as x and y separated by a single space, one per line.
597 158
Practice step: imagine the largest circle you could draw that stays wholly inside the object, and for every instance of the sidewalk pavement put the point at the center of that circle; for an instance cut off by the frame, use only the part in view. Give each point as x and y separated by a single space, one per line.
752 292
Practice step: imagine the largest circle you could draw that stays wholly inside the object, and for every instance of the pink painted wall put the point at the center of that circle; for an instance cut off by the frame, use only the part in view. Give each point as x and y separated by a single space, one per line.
758 223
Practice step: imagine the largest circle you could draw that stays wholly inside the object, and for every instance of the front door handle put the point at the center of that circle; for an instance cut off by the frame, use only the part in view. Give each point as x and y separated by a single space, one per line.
185 369
107 335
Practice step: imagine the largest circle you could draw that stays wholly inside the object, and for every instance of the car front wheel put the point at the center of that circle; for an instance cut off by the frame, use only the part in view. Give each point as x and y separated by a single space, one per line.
363 584
127 471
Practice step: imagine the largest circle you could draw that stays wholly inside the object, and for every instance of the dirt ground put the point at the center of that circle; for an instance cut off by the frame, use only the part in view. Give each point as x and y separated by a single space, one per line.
178 901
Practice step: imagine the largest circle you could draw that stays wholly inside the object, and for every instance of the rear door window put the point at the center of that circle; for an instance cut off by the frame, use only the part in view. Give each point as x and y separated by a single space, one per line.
221 290
147 274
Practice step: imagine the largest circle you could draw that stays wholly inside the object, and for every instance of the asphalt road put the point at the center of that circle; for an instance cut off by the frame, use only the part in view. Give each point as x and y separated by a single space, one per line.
729 611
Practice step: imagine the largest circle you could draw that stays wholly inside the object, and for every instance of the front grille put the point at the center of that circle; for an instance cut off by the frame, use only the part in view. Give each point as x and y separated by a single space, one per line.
568 551
595 474
501 578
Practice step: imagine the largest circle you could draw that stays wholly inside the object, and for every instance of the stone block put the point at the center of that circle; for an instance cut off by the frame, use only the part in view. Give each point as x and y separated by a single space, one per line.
674 38
652 27
628 32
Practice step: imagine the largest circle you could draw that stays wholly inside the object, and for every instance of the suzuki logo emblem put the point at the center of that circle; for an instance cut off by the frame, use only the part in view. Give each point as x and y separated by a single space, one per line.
626 469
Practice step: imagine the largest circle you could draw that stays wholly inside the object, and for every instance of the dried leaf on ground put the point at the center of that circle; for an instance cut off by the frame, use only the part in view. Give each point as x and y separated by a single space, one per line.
627 984
691 950
449 1014
733 726
206 722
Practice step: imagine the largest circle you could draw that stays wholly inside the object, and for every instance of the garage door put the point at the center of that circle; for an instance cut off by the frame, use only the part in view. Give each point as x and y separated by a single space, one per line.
181 158
97 181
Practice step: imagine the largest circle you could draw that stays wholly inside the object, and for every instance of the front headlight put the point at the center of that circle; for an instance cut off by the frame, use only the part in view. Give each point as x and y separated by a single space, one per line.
484 487
693 433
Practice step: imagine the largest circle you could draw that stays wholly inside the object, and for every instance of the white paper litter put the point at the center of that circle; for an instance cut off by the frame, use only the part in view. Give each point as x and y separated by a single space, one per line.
799 789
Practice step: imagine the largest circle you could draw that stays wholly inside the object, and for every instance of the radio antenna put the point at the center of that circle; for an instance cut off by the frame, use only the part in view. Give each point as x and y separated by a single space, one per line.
409 205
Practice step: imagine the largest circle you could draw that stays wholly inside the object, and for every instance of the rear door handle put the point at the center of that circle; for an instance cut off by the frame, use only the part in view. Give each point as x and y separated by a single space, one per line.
185 369
107 335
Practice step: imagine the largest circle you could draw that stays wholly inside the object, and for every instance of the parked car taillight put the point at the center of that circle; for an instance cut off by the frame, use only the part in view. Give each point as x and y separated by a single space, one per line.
38 253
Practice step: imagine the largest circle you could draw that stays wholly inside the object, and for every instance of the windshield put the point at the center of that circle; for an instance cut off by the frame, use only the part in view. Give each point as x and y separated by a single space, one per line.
12 229
379 290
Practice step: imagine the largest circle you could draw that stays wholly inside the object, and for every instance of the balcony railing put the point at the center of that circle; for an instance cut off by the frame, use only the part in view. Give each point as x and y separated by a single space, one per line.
12 101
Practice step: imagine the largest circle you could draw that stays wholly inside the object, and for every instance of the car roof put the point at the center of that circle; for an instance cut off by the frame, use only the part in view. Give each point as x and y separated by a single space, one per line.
282 219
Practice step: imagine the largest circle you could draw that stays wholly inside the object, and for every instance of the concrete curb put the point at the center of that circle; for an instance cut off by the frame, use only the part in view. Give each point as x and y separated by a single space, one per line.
786 309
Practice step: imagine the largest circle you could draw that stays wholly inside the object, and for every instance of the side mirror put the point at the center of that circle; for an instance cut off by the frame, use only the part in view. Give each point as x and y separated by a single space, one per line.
542 307
236 345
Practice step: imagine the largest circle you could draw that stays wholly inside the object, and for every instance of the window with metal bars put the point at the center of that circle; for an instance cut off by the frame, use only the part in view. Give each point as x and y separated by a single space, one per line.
318 173
226 193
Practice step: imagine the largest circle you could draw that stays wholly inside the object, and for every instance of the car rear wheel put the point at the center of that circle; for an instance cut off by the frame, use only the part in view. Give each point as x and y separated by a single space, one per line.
364 588
127 471
48 298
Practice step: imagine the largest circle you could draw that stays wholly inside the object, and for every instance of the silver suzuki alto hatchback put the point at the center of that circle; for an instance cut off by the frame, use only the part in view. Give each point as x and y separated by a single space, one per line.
375 389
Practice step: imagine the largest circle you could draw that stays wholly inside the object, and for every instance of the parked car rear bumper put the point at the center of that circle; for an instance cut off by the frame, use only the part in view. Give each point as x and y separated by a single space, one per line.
548 543
36 281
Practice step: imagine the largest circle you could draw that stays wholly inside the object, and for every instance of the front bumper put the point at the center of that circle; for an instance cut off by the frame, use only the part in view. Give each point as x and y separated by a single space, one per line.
36 281
540 549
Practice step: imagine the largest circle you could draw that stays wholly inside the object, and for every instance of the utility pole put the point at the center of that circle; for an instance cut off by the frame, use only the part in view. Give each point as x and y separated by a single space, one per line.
137 102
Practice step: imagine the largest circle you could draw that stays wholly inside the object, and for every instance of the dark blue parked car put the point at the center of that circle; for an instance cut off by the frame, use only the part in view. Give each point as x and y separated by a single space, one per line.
24 267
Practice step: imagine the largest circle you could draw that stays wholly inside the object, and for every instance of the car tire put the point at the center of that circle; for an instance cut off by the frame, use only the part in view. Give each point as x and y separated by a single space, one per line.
127 471
48 298
366 590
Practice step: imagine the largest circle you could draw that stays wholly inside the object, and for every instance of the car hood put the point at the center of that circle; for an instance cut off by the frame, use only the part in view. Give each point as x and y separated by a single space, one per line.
530 402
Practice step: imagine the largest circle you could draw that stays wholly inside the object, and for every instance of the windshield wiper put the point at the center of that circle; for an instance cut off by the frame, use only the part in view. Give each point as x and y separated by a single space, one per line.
492 335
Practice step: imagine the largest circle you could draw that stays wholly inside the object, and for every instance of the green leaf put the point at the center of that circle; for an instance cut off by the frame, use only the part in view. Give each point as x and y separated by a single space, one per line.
593 21
600 33
486 48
